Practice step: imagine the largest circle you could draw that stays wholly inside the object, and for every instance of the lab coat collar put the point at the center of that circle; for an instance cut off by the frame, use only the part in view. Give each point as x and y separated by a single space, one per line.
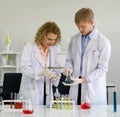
37 53
78 38
93 40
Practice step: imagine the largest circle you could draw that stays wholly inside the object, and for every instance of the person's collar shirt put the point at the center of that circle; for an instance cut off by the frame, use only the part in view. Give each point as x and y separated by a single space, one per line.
44 55
84 42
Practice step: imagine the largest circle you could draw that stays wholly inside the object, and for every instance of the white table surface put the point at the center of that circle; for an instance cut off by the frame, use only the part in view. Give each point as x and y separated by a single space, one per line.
40 111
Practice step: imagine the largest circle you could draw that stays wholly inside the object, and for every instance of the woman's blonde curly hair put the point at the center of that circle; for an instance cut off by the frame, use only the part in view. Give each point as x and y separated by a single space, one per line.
45 29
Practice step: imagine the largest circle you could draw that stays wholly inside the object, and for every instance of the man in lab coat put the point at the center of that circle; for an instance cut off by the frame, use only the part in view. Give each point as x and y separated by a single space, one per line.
88 58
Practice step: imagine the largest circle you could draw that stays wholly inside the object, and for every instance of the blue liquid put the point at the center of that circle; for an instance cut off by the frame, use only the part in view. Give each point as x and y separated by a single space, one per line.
114 101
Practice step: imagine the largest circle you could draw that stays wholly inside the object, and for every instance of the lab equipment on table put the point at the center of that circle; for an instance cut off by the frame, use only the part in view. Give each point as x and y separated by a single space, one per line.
12 108
11 98
115 100
17 104
55 67
75 81
64 106
62 102
67 105
57 98
13 103
1 103
68 79
27 107
86 104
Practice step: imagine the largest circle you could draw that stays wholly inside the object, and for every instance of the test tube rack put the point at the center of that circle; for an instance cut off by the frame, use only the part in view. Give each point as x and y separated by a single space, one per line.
11 106
63 105
62 108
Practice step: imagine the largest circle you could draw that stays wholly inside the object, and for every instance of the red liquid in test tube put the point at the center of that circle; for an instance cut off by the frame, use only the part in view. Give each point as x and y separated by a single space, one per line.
11 97
18 105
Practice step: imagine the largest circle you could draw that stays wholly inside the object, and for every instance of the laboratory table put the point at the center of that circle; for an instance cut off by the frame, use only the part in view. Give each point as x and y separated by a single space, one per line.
42 111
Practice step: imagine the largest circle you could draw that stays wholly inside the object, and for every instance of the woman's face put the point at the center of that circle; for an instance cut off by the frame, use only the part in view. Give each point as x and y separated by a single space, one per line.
49 40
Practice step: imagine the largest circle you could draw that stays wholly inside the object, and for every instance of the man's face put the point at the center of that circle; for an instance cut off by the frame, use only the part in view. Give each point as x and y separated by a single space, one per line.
85 27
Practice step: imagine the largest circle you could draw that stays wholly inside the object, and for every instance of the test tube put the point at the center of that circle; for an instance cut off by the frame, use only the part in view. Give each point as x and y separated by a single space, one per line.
67 102
57 98
11 98
15 98
62 103
71 103
115 100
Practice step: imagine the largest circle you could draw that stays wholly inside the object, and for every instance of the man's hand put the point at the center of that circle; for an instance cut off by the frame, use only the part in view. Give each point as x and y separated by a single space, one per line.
67 71
83 79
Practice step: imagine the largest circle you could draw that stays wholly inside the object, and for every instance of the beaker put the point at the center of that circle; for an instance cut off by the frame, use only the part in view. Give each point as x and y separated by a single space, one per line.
27 107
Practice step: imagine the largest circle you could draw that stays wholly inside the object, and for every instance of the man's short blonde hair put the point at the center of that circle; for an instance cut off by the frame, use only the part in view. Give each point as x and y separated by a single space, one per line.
84 14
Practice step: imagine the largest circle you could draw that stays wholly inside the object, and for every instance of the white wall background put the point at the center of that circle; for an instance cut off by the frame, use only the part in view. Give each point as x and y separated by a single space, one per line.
22 18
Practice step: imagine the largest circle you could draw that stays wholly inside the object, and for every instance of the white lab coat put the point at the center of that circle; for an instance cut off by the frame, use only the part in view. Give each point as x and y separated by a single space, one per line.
95 66
32 84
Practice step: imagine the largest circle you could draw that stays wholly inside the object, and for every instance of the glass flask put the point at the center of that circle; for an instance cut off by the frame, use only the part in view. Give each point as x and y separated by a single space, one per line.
86 104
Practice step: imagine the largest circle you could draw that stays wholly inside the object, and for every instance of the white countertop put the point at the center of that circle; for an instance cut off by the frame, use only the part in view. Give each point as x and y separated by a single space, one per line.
94 111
